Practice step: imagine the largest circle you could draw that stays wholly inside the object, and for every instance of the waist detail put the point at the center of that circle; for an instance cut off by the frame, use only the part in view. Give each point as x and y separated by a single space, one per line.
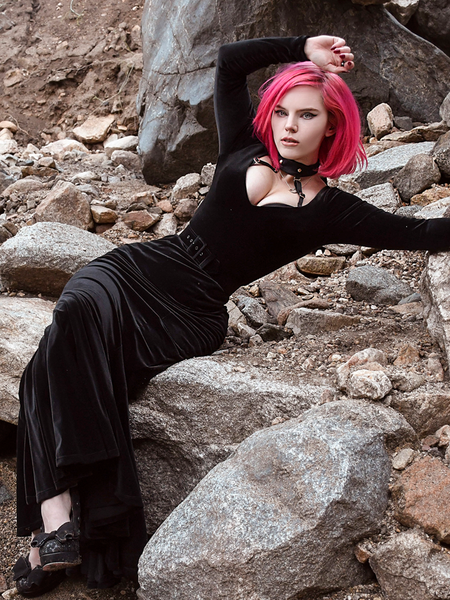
199 251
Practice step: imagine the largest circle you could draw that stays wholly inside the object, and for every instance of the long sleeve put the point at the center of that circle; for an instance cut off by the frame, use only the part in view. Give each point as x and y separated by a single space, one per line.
354 221
233 106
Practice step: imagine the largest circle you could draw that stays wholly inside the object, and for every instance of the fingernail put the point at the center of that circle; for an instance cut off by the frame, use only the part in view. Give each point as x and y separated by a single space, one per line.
342 55
336 50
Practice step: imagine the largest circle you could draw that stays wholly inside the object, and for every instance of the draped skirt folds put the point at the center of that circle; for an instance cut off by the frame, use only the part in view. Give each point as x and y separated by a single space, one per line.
120 321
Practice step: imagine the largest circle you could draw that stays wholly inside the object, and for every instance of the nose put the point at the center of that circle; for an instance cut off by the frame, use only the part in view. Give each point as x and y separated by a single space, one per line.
290 124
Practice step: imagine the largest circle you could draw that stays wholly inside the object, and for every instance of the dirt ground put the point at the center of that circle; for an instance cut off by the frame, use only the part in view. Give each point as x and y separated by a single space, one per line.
61 61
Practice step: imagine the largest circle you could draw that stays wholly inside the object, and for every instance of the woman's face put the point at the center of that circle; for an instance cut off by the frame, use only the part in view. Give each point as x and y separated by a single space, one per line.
300 122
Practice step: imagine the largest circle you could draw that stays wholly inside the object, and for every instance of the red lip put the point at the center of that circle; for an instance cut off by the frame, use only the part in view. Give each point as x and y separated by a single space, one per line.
289 140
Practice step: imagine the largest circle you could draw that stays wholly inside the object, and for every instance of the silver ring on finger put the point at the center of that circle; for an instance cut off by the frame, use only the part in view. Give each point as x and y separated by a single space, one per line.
343 63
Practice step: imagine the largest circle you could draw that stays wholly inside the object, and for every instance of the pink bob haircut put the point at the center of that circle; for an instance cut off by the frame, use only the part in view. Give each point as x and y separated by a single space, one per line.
340 153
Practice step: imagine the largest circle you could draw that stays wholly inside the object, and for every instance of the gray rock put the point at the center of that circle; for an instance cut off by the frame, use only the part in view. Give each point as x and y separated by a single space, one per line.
280 518
191 417
383 166
376 285
22 186
255 314
419 173
402 10
94 129
276 296
441 153
410 566
129 142
436 209
382 196
404 123
403 459
188 184
128 159
435 289
42 258
444 110
22 324
207 174
59 148
408 211
364 383
426 409
166 226
431 21
180 44
65 204
235 317
307 320
342 249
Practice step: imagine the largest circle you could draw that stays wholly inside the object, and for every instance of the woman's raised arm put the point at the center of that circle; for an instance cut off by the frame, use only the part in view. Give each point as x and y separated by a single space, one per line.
233 106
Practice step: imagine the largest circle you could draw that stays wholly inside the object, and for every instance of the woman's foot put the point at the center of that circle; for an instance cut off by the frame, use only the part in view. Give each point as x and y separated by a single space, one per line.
34 581
59 545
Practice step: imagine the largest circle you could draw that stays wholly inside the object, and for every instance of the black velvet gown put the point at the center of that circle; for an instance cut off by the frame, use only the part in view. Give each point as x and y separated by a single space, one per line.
133 312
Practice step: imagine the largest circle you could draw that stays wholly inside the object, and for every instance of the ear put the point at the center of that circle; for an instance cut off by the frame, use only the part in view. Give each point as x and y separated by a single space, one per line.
331 130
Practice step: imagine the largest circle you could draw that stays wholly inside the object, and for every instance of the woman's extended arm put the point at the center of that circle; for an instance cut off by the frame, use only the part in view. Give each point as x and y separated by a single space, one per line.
353 221
233 106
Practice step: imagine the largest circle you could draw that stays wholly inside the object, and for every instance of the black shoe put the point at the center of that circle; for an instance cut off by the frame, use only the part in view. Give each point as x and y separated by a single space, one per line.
34 582
59 549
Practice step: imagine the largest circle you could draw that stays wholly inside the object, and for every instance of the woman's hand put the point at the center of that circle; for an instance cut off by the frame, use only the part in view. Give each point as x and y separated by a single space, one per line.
330 53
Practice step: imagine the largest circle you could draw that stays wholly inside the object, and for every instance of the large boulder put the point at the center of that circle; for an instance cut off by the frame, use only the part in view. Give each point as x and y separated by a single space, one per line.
43 257
376 285
431 21
280 518
193 415
22 323
180 44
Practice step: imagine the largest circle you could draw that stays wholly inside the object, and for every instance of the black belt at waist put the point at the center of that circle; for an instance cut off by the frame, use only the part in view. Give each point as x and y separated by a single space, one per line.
199 251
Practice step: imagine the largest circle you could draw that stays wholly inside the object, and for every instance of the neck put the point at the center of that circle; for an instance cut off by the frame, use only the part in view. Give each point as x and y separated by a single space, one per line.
297 169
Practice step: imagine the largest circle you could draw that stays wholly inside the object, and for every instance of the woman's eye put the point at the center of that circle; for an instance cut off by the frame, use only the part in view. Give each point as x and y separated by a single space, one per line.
308 115
280 112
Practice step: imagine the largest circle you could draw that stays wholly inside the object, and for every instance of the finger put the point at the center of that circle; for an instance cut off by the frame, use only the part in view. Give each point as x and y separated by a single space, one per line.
347 56
342 49
337 41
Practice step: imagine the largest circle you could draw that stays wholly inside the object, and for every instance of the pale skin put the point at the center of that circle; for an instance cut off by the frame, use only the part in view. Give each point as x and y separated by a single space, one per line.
299 124
299 113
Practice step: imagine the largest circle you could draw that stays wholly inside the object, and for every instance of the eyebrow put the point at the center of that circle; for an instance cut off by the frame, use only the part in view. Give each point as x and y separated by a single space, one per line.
300 109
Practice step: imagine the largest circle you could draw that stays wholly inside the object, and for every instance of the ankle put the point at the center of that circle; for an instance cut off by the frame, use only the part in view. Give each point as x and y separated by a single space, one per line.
56 511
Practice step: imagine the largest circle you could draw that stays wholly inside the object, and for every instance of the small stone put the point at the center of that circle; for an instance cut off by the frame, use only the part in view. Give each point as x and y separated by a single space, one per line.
6 134
380 120
185 209
9 125
165 206
94 129
235 317
362 554
186 185
255 340
245 332
373 385
128 142
207 174
419 173
320 265
166 226
65 204
140 220
444 435
253 311
102 214
435 193
305 321
129 160
403 459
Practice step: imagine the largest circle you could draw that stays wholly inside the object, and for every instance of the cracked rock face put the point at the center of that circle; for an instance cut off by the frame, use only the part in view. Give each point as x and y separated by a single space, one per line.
180 45
281 516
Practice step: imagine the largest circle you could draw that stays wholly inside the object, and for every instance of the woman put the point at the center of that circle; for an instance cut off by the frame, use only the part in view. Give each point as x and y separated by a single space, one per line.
139 309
